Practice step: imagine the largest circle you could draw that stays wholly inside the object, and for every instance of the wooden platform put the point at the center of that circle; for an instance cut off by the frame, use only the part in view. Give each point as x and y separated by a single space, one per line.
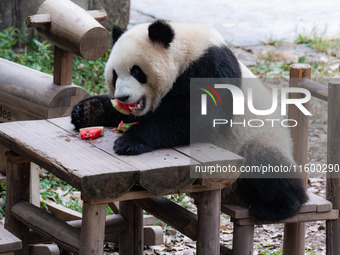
315 209
104 177
92 166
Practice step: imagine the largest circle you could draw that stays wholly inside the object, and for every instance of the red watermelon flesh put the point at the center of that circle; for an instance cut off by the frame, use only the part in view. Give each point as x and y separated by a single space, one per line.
122 108
91 133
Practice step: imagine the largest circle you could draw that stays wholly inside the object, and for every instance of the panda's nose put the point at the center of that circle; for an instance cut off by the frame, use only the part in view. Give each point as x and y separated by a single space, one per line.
123 98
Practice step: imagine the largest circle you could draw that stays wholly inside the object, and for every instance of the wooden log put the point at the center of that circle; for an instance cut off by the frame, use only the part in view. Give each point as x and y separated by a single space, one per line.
3 161
114 225
333 159
85 37
41 20
294 237
26 94
317 90
47 225
17 190
131 240
208 210
93 229
176 216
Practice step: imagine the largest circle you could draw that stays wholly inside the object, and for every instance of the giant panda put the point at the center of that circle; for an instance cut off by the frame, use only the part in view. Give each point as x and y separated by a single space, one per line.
149 68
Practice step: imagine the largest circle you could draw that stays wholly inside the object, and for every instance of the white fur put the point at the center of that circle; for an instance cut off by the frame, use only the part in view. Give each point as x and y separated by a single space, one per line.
161 65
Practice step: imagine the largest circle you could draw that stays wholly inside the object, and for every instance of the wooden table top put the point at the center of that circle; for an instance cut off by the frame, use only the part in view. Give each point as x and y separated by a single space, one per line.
96 170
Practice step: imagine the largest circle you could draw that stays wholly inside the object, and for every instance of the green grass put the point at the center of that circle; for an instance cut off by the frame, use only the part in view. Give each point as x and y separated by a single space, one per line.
38 54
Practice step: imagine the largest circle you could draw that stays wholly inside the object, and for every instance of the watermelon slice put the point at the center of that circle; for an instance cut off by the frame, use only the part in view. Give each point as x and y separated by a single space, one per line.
91 133
124 126
122 108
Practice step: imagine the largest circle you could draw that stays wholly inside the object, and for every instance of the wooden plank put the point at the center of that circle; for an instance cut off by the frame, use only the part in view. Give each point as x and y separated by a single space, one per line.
93 229
38 20
131 240
107 177
208 211
333 159
17 190
303 217
3 161
61 212
314 204
8 241
161 171
98 15
47 225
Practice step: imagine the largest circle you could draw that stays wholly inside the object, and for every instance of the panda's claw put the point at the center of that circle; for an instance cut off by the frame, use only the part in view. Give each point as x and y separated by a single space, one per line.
126 146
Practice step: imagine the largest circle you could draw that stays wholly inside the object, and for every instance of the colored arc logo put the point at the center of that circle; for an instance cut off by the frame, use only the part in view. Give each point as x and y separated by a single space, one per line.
211 95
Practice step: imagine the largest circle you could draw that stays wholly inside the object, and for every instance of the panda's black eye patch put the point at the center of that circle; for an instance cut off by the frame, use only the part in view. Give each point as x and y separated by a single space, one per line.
138 74
114 79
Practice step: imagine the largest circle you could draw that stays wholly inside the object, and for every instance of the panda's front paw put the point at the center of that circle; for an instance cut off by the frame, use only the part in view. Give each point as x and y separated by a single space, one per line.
127 146
88 112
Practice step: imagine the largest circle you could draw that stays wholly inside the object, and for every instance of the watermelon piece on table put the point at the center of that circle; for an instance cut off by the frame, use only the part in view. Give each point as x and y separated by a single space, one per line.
91 133
124 126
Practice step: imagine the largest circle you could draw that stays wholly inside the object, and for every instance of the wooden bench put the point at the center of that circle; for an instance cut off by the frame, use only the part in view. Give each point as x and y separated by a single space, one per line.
8 242
104 177
316 208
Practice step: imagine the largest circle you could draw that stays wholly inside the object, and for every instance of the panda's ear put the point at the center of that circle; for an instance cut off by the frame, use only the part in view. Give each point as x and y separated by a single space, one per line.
116 33
161 32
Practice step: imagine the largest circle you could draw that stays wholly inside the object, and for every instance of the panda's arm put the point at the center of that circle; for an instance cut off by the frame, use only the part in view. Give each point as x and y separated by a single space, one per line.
167 127
97 111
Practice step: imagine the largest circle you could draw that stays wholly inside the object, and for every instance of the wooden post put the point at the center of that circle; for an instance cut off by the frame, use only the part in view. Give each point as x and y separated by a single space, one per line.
294 233
208 211
17 190
62 73
243 239
333 159
93 229
131 241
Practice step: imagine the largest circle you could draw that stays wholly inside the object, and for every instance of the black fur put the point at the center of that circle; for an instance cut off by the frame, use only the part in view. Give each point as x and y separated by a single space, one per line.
116 33
168 125
138 74
268 198
161 32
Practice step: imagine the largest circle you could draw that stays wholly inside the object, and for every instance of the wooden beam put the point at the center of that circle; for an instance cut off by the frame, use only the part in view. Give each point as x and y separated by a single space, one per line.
47 225
17 190
8 241
294 239
62 72
131 240
317 90
333 159
41 20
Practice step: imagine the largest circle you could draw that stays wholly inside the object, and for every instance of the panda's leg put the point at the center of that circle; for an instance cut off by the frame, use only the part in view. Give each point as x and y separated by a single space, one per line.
268 198
96 111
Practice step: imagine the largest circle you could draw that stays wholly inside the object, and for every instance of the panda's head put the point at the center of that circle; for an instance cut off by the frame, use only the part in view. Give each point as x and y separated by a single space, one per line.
141 68
146 60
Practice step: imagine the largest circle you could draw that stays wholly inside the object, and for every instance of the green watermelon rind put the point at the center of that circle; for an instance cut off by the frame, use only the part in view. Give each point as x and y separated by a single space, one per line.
114 104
